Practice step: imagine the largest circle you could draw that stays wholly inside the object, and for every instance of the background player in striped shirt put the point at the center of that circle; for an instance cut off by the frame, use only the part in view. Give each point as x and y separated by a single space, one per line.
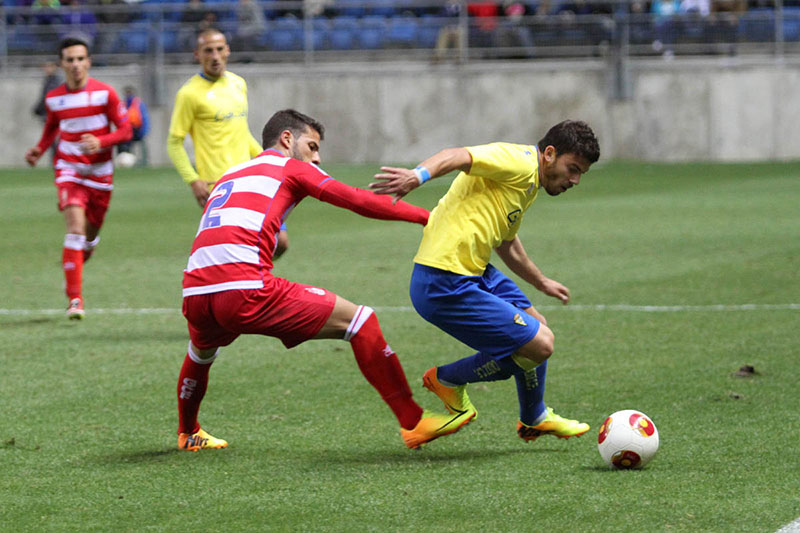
454 286
212 108
229 289
81 112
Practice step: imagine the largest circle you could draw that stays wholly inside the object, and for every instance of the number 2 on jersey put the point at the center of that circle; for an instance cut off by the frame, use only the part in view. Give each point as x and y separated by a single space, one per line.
211 220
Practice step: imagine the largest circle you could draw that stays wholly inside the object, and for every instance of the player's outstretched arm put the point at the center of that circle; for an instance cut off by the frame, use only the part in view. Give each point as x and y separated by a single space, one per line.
398 182
513 255
369 204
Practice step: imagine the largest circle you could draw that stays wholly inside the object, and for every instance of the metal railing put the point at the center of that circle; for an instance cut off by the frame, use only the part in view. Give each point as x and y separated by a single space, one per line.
379 30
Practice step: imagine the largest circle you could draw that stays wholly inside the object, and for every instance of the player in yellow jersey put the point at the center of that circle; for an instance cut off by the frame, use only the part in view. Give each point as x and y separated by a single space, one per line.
456 288
212 108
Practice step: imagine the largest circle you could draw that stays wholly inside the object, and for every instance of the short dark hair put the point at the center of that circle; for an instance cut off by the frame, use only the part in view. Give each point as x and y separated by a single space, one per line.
288 119
72 41
572 137
202 34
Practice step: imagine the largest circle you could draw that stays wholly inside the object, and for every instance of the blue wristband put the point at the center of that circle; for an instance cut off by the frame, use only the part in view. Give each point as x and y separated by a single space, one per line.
422 173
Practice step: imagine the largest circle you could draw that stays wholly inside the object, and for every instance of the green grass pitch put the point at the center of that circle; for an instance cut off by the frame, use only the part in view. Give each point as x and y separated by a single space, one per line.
680 274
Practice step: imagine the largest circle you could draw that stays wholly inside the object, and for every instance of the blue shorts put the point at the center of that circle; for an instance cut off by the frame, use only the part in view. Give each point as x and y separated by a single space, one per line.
484 312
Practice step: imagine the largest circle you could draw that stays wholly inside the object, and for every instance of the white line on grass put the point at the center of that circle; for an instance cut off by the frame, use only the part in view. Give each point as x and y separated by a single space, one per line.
794 527
120 311
597 307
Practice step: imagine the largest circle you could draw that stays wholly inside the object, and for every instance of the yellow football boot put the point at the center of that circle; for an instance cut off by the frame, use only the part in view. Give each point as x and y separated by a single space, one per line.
194 442
563 428
433 425
455 399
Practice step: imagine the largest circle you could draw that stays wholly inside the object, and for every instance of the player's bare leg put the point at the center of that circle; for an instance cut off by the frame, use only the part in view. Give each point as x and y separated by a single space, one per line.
282 244
92 240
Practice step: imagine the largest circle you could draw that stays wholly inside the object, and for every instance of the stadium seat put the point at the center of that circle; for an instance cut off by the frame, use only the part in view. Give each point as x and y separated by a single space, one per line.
165 12
428 30
383 8
269 9
757 25
403 31
349 8
170 37
224 14
285 34
343 33
321 28
373 32
21 39
791 23
134 39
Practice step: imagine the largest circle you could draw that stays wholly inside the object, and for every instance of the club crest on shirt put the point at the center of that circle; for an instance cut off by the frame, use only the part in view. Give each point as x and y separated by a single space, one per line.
518 320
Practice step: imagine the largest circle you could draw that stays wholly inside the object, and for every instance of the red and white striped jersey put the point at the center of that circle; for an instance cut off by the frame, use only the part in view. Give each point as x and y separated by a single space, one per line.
72 113
238 232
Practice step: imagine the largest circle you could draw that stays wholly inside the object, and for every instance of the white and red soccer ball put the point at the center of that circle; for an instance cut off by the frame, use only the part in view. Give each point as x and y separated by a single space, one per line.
627 439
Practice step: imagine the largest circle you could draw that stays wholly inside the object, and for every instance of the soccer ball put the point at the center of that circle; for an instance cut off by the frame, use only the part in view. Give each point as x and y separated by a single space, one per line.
125 160
627 439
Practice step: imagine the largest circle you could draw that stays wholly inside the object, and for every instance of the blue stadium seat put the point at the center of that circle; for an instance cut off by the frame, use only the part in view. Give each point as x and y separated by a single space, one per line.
21 39
170 38
757 25
693 29
349 8
428 32
343 33
269 10
791 23
224 14
373 32
403 31
383 8
169 14
321 28
285 34
133 40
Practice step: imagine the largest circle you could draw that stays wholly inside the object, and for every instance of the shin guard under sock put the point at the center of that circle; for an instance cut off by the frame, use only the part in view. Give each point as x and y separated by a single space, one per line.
475 368
381 367
192 384
530 392
72 263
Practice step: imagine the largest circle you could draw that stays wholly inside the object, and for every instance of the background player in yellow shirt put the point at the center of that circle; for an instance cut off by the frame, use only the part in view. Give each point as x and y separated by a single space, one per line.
212 108
454 286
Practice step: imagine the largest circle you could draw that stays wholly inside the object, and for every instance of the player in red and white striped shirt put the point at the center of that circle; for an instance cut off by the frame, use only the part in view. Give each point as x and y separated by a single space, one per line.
81 112
229 288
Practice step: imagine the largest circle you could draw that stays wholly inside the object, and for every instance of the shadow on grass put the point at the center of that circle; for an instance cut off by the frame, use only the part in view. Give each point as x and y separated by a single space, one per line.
140 456
31 321
405 456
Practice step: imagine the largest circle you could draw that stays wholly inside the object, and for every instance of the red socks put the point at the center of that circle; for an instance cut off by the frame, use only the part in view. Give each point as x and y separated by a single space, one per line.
381 367
375 358
192 384
72 262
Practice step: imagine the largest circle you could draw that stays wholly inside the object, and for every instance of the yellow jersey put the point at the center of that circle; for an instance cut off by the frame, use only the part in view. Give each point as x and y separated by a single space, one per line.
481 209
214 113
